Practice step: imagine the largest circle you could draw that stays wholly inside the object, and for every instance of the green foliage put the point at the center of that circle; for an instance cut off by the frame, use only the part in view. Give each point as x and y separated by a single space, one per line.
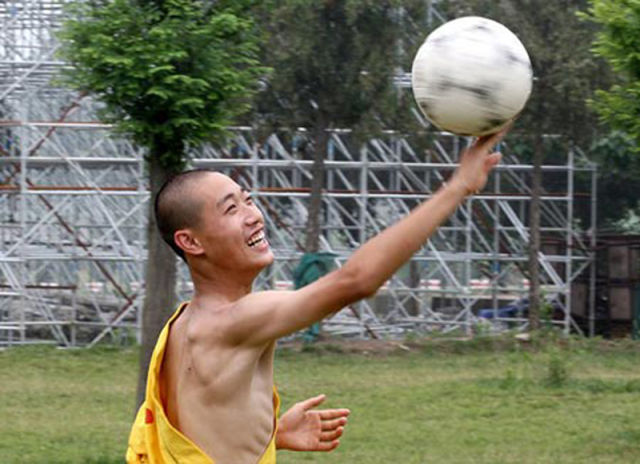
170 73
546 313
630 222
334 62
557 369
618 42
618 179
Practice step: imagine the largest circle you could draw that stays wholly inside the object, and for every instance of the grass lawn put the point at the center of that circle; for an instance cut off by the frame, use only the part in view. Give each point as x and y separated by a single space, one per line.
456 402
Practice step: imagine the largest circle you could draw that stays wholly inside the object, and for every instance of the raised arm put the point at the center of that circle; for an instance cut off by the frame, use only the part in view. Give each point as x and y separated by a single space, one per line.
264 316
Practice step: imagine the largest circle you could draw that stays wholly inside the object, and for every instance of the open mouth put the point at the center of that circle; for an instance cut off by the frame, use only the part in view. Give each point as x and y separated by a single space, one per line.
256 239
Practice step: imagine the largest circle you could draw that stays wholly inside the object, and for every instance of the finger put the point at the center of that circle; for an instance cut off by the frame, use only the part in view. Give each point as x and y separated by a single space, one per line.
312 402
332 424
331 435
491 140
328 445
333 413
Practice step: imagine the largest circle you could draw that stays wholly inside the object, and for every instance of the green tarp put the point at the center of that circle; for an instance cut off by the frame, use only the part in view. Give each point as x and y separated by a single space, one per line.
312 266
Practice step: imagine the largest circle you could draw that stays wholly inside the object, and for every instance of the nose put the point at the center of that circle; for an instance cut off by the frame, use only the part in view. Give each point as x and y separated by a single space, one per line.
253 215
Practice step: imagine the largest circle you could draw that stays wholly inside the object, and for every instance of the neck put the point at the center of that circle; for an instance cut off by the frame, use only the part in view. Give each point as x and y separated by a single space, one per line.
220 287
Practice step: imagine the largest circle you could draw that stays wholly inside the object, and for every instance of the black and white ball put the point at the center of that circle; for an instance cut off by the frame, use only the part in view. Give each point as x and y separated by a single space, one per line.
471 76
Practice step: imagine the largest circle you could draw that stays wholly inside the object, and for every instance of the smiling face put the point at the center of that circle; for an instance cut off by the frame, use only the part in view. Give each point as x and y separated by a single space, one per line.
230 229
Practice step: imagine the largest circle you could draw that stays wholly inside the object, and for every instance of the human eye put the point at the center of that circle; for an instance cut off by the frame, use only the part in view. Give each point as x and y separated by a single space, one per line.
230 209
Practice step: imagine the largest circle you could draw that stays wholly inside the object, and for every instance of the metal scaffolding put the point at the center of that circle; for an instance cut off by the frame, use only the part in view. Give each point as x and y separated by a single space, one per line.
74 203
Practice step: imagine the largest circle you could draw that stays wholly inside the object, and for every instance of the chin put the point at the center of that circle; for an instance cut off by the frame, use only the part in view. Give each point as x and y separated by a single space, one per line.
258 264
267 260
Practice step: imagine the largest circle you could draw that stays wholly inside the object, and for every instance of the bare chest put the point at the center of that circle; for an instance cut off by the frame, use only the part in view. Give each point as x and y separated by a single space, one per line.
221 399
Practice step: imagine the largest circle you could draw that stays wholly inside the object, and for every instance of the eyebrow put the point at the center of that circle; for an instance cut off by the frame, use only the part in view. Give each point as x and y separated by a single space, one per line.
229 196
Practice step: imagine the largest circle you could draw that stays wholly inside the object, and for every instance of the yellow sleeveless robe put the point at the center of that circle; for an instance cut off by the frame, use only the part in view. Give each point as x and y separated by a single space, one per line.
153 440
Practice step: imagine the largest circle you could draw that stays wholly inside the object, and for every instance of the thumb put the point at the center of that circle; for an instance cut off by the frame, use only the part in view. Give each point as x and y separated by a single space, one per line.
312 402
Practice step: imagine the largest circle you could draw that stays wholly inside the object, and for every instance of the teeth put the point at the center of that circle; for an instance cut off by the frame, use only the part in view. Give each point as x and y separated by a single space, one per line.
256 239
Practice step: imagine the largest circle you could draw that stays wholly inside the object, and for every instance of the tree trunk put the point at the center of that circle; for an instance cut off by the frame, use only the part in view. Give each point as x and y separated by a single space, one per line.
320 141
160 296
413 305
534 233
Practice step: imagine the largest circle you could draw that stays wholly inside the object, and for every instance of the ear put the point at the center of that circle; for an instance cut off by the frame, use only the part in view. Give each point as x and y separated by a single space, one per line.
187 242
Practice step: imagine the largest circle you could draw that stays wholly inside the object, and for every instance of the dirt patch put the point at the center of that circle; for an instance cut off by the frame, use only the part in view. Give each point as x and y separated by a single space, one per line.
505 342
366 347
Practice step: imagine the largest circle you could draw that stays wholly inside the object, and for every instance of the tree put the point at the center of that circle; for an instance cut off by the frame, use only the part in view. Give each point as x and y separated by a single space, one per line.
618 42
171 74
566 74
618 179
333 62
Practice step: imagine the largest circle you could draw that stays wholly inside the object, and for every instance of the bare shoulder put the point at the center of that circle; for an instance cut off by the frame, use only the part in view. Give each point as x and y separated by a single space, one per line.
259 300
262 317
259 318
246 315
223 326
209 325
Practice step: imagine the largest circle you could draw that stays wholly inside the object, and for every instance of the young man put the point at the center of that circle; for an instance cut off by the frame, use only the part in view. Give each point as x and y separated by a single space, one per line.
210 394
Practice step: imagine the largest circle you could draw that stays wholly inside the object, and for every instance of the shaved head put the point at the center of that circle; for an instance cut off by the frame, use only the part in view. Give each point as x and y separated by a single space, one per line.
177 207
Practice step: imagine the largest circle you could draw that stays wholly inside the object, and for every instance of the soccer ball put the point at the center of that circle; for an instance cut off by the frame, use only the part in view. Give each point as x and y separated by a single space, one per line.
471 76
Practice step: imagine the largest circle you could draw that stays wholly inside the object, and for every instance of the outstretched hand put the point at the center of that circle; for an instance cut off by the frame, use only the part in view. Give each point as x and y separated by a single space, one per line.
477 161
303 429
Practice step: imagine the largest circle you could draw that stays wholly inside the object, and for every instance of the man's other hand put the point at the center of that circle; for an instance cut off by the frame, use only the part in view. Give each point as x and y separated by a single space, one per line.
302 428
